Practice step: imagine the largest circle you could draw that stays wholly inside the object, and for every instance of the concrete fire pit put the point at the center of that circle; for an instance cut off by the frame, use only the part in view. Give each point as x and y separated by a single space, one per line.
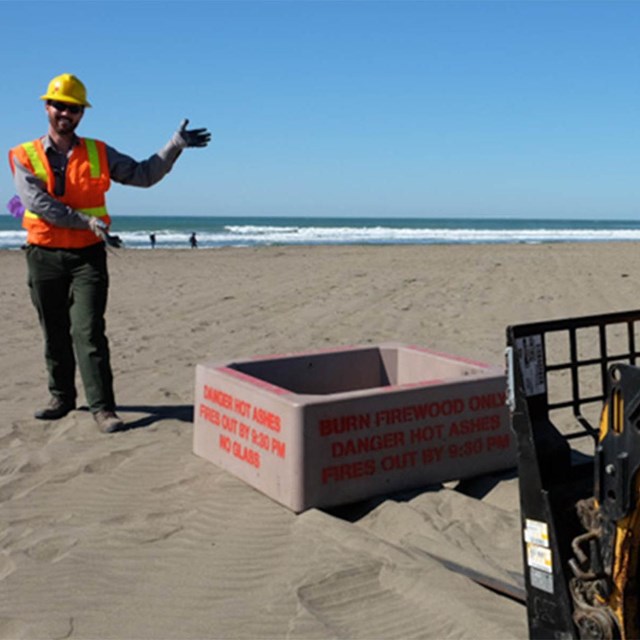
331 427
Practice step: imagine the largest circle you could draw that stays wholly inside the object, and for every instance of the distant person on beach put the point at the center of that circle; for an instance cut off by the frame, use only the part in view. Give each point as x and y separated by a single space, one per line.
152 239
61 180
193 241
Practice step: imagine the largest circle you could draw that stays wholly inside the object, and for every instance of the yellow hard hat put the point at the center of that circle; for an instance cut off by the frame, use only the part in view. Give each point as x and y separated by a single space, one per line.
67 88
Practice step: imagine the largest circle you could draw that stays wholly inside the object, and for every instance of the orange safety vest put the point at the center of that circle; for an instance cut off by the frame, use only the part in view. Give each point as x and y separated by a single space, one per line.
87 181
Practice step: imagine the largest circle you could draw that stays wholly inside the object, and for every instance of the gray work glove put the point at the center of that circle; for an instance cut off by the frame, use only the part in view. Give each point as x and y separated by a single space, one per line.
99 227
192 137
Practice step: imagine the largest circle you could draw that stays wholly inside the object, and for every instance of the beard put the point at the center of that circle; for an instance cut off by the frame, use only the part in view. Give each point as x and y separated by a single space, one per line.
63 125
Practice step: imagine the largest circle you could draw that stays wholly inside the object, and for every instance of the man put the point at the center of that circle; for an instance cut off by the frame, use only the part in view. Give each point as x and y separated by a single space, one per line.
62 180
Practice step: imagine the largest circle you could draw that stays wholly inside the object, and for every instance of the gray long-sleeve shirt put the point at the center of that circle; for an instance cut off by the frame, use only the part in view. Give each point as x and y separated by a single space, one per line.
122 169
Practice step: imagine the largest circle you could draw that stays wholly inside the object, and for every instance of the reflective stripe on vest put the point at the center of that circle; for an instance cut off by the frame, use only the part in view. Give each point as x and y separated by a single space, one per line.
95 211
36 162
94 158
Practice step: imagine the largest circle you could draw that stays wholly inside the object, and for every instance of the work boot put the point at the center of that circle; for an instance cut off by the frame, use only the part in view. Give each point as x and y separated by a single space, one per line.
56 409
108 421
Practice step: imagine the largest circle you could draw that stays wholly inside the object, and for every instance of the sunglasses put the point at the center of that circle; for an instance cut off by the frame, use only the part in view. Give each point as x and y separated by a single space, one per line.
75 109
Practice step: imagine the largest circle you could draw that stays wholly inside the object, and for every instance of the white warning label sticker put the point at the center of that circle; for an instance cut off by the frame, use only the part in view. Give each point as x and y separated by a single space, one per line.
536 532
531 361
539 557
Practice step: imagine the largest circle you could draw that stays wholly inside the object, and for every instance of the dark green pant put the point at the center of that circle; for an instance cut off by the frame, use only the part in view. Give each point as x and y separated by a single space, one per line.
69 290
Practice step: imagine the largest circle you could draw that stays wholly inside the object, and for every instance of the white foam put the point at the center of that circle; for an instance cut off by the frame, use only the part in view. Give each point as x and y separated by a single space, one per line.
257 235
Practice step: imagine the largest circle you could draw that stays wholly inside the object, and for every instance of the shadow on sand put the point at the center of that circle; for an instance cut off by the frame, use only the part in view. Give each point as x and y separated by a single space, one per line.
476 487
156 413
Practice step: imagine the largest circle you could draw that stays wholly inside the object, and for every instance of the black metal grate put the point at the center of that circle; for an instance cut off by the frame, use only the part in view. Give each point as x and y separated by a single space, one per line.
609 338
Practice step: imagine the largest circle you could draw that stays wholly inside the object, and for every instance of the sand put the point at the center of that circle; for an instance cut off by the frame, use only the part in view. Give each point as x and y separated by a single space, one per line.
132 536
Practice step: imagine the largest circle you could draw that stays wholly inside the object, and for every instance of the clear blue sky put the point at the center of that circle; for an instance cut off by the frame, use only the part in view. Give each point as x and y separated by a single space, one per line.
339 108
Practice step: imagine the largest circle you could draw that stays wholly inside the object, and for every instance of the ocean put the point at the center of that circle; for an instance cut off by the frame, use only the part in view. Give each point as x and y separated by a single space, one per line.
172 232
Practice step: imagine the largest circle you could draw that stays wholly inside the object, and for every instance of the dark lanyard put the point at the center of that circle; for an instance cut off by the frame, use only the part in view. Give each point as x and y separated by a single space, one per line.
58 163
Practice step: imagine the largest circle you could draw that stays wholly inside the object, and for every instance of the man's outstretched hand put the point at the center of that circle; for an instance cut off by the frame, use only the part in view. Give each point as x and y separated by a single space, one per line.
193 137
